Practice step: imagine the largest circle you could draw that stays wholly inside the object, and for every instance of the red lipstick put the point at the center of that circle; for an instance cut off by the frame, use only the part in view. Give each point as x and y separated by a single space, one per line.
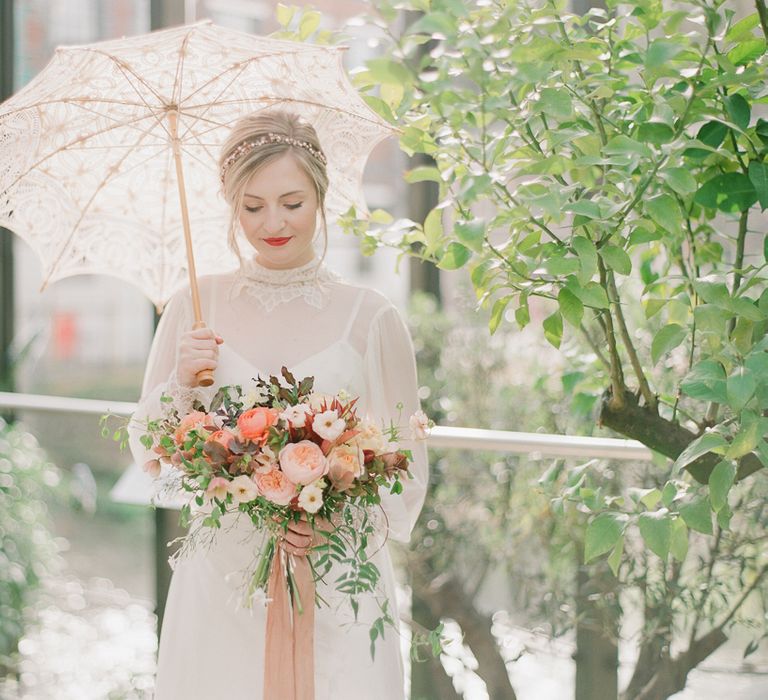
277 241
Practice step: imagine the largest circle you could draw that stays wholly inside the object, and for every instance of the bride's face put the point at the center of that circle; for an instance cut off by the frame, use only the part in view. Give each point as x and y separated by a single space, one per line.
280 202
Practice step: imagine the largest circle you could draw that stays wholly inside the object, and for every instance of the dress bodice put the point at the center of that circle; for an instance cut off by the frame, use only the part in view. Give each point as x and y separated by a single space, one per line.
338 366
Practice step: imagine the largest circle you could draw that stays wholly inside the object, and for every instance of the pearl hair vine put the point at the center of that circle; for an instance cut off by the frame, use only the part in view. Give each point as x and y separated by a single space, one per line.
247 146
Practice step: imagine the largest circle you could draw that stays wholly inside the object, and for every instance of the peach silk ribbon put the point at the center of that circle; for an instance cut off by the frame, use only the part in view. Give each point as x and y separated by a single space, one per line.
289 654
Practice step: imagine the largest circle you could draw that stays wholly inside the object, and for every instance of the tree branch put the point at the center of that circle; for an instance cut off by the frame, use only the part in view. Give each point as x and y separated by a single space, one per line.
645 389
617 373
762 13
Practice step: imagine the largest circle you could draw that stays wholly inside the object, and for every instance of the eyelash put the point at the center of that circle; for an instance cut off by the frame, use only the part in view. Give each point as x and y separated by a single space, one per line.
253 210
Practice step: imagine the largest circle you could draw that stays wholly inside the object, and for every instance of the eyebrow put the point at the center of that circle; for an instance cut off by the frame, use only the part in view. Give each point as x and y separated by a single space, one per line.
287 194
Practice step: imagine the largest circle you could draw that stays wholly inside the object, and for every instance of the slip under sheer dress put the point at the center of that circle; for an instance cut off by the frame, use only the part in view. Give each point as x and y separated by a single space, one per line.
348 337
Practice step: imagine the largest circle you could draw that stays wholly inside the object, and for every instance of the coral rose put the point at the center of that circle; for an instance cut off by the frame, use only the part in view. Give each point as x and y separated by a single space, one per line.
275 486
345 464
192 421
303 462
255 423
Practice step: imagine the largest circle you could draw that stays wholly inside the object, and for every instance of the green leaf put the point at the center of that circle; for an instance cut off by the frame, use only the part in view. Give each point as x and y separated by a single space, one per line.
423 173
584 207
433 229
645 233
738 110
663 209
387 71
587 253
556 102
740 387
743 27
697 514
603 533
455 256
309 22
616 258
497 313
679 179
720 482
623 145
666 338
678 545
614 559
656 133
661 51
703 444
380 216
758 175
523 314
761 129
558 265
706 382
553 329
571 308
730 192
746 439
747 51
591 294
285 14
656 529
471 233
712 134
648 497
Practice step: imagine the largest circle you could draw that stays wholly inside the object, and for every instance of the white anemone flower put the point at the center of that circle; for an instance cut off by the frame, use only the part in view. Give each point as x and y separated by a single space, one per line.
311 497
296 415
243 489
328 425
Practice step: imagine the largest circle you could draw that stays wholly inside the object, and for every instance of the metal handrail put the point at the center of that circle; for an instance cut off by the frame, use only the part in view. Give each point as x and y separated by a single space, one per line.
441 436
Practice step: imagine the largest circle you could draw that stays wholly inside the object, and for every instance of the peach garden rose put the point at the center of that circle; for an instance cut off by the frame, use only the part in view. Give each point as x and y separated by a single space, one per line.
303 462
275 486
345 464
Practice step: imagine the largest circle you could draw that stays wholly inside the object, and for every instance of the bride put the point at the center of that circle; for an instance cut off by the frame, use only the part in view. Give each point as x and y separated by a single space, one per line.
282 306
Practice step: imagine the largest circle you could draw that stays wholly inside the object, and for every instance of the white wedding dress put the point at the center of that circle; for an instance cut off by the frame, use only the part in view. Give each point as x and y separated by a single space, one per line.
347 337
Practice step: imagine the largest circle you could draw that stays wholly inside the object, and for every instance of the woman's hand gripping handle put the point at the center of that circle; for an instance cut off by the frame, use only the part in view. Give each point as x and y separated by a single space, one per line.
198 356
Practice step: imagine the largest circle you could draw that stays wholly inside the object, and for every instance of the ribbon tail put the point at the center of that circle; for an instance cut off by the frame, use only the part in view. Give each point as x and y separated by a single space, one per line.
279 661
304 630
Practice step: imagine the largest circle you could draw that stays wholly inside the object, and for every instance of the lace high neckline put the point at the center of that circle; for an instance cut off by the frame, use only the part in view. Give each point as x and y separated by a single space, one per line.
271 287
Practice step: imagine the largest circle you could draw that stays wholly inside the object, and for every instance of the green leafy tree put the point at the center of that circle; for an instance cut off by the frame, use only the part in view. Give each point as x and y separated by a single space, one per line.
609 165
538 535
606 175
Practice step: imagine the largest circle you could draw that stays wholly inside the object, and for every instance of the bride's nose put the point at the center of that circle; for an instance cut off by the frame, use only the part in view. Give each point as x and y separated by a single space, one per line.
274 223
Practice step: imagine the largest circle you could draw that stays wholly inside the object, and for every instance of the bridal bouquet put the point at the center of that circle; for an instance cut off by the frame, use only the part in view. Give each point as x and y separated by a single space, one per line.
281 453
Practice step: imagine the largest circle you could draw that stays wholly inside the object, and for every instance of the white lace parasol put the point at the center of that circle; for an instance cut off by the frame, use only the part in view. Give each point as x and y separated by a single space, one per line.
87 173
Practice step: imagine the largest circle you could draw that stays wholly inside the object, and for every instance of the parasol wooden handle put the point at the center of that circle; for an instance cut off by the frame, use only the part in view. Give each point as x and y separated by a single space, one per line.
204 378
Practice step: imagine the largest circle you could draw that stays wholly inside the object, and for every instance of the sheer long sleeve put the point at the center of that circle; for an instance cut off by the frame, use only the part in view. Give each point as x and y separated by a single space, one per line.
390 366
160 378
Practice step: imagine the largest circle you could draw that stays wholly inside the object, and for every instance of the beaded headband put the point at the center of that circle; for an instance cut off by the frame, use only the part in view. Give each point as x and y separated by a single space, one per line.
247 146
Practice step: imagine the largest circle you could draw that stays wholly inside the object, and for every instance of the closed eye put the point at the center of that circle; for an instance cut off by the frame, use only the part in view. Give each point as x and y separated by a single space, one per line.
253 210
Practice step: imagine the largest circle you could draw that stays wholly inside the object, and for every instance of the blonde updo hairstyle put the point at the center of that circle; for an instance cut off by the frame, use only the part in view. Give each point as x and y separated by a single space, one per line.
260 126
